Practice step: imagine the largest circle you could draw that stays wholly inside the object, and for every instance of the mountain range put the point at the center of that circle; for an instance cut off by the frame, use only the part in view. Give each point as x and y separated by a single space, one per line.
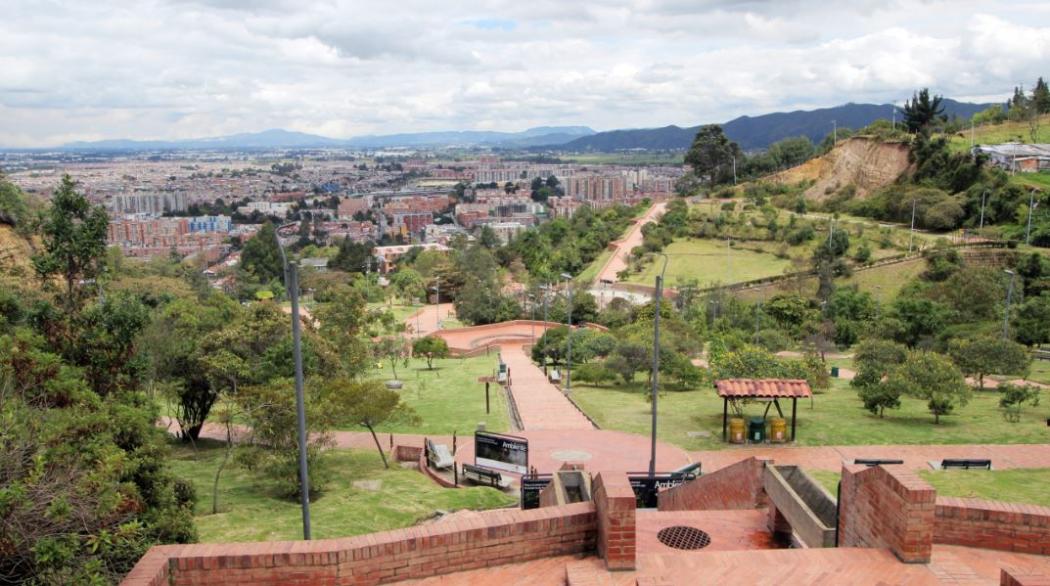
758 132
750 132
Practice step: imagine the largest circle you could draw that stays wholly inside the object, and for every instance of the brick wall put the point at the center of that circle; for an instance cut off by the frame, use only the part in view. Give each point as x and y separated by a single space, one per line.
614 504
407 453
887 507
1014 577
992 525
734 487
490 538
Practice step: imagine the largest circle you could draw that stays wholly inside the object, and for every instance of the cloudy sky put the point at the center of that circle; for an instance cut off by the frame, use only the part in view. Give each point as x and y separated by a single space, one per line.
86 70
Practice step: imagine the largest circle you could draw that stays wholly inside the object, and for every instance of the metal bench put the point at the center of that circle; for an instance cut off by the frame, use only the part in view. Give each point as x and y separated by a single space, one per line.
485 477
966 464
876 461
438 456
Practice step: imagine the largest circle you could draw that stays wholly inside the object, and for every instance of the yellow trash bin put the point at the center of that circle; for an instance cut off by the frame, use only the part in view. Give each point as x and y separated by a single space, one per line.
778 430
736 430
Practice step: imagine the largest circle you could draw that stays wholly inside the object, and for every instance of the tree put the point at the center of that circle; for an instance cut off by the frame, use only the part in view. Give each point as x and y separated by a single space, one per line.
1041 97
74 235
408 283
711 154
922 111
431 347
368 404
933 378
1031 321
920 319
393 349
1013 398
878 397
353 257
261 256
986 355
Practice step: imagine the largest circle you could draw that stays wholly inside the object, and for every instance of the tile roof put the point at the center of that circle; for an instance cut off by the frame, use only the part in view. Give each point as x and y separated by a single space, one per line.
763 387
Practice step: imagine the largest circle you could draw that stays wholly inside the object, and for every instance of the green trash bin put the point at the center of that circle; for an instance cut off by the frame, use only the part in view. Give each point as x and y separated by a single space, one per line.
834 372
756 430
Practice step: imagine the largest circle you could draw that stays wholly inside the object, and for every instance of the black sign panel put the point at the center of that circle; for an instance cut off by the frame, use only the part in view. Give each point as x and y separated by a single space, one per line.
645 490
530 490
501 452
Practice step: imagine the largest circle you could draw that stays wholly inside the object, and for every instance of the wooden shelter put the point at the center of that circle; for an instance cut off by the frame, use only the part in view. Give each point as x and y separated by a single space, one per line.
769 389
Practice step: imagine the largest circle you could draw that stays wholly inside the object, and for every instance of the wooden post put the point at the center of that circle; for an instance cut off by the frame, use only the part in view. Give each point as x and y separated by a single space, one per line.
391 441
794 410
725 417
453 443
486 398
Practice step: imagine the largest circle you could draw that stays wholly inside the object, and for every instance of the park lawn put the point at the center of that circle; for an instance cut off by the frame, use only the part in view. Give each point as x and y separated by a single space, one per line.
693 419
400 311
885 283
250 511
449 398
1040 372
1000 133
590 274
709 263
1036 180
1022 485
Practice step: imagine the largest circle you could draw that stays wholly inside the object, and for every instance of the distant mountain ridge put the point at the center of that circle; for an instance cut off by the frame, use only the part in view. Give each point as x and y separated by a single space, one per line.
750 132
757 132
277 138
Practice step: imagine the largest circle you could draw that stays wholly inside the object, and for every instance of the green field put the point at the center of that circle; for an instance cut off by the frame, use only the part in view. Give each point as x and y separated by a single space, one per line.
400 311
1029 485
1000 133
590 274
693 419
711 261
387 499
1037 180
448 398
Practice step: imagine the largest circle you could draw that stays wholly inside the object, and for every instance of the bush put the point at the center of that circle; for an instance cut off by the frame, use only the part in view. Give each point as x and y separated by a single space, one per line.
594 373
1013 398
773 340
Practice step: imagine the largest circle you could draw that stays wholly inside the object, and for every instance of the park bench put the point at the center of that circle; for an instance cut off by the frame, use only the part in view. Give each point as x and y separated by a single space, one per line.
484 476
438 456
876 461
555 377
966 464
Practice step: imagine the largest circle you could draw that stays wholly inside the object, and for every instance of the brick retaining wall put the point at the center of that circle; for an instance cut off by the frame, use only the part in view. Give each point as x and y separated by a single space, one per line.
615 506
491 538
887 507
992 525
734 487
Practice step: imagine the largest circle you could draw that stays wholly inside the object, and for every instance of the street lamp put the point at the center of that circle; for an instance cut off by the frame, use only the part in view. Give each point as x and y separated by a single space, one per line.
437 303
291 283
543 349
1031 211
657 299
568 352
1009 296
911 237
984 194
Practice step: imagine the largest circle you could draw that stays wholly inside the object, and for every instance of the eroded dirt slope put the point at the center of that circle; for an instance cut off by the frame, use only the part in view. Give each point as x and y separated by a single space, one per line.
864 162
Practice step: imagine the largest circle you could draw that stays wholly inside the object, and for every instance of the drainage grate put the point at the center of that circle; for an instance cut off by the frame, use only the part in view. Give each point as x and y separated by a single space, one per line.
683 537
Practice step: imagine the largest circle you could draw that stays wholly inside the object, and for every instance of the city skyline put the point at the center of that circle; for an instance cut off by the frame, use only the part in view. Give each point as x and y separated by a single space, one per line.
188 69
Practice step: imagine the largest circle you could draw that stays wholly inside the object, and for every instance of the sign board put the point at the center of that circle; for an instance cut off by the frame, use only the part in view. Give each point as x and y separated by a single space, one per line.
501 452
531 486
645 491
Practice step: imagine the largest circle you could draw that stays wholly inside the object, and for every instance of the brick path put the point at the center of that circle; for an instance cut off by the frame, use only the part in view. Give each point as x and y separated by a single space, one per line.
541 405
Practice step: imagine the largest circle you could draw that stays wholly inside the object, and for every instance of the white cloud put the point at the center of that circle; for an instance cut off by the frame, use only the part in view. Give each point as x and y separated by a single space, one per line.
72 70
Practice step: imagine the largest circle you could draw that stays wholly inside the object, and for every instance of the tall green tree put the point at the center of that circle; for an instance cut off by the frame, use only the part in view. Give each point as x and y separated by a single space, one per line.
1041 97
261 257
932 377
922 111
368 404
984 355
74 235
711 155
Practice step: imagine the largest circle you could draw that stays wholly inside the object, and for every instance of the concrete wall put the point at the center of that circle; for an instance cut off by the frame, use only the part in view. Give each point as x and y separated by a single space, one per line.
799 502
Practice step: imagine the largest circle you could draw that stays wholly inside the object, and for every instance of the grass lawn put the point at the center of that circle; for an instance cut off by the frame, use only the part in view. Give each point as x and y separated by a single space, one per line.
1028 485
884 283
1000 133
709 262
590 273
1040 372
250 512
400 311
448 398
693 419
1037 180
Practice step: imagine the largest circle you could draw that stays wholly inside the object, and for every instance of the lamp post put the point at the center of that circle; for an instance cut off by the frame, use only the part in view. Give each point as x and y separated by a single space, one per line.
568 351
543 350
657 301
437 304
984 195
1031 211
1009 296
532 315
911 235
291 283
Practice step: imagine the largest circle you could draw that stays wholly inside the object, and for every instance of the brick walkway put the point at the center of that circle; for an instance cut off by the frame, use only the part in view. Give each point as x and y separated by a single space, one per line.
541 405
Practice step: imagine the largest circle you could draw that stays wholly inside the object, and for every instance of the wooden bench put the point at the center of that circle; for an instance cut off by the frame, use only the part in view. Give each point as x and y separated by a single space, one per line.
438 456
485 477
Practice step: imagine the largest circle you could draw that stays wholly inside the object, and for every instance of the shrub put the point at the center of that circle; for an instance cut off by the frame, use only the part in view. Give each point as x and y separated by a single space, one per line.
594 373
1013 398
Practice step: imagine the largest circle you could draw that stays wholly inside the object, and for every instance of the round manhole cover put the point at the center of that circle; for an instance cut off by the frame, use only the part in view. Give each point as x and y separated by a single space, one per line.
570 455
683 537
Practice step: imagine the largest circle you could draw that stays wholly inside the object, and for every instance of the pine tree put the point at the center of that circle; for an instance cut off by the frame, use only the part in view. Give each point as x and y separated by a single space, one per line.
1041 97
922 111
